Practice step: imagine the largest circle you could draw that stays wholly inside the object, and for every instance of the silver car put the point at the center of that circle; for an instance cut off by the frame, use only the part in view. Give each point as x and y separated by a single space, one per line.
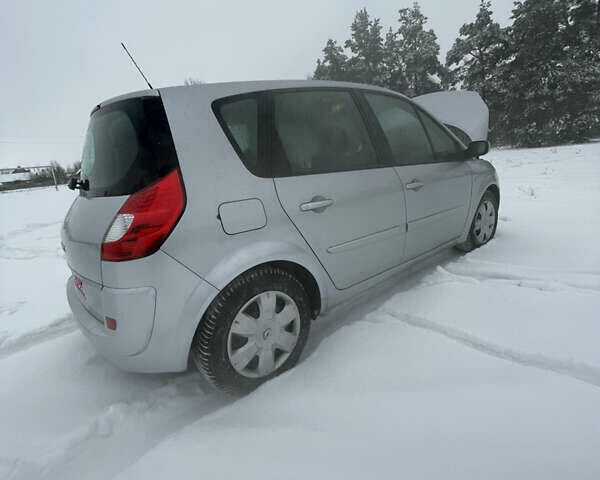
215 222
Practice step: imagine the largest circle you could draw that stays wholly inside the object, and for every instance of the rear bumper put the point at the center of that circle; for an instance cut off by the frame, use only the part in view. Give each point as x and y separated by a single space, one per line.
155 325
133 310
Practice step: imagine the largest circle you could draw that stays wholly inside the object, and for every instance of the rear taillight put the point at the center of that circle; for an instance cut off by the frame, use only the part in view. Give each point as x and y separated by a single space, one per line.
145 220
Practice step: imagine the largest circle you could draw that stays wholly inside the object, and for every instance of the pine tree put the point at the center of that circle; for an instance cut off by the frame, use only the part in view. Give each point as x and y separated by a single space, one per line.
474 58
552 79
407 61
366 45
474 63
334 64
393 73
583 64
419 51
192 81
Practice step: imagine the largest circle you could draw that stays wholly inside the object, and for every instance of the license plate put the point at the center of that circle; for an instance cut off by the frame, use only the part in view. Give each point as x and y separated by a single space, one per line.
79 285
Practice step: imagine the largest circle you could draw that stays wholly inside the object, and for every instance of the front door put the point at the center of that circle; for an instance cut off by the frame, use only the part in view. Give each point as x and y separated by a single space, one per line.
436 179
437 203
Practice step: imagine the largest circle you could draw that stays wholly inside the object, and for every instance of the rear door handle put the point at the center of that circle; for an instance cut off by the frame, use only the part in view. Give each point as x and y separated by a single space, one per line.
414 185
317 204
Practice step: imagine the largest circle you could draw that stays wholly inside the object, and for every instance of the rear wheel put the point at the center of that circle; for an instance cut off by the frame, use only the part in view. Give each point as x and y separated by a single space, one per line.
255 329
485 221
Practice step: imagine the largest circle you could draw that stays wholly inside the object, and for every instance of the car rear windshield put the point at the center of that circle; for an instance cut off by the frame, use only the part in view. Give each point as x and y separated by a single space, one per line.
128 146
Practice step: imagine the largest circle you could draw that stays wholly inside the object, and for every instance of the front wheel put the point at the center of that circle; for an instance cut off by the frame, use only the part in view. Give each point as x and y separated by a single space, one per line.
485 221
255 329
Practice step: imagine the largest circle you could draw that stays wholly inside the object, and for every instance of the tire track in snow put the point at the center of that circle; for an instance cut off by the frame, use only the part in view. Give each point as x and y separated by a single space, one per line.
27 229
13 344
141 424
577 370
585 281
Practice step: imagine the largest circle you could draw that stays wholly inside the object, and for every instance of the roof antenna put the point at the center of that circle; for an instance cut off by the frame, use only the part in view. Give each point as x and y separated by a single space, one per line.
136 65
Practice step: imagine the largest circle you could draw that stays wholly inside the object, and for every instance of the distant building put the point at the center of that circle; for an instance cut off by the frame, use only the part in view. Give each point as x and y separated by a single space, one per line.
8 175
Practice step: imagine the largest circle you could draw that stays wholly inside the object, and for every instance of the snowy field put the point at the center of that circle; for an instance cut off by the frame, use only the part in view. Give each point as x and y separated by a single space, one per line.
477 366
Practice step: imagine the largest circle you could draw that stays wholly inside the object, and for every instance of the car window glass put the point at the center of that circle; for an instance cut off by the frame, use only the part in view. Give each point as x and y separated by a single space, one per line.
319 131
241 121
460 134
402 129
444 146
128 146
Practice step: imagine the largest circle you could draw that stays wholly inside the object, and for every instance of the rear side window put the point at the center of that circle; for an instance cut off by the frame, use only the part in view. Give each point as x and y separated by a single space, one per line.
128 145
402 129
239 120
445 148
318 131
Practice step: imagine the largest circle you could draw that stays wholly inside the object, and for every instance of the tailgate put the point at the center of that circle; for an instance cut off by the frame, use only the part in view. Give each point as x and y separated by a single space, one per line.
83 231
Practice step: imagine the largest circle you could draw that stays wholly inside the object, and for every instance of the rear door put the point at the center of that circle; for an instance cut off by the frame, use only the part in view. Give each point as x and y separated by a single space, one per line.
348 206
429 163
128 146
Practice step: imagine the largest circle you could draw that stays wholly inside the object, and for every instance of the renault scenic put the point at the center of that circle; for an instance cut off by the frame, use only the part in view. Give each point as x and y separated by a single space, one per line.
214 222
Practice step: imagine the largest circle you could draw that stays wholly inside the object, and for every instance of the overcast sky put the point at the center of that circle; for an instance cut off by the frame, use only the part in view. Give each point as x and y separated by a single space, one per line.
58 59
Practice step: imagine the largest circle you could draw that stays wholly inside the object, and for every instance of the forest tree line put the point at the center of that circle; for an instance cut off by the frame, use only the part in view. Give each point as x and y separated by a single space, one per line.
540 76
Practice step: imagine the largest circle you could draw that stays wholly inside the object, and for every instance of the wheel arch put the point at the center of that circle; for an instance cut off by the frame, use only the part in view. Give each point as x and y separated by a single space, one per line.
285 256
308 281
478 192
495 190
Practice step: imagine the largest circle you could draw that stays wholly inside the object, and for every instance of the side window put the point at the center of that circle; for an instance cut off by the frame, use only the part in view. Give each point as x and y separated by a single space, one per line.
318 131
444 146
402 129
460 134
239 119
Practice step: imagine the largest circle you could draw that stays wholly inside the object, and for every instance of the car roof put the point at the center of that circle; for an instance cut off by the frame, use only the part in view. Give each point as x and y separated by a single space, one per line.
222 89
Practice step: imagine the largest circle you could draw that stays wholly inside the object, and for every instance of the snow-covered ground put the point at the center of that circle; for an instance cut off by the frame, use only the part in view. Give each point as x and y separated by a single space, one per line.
485 365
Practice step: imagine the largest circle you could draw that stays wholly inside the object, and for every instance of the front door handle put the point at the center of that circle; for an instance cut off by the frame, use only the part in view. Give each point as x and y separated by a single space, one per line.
414 185
317 204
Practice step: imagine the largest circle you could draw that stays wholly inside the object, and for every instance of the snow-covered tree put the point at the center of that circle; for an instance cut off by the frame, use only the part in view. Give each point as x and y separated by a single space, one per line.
393 73
334 64
192 81
474 63
553 75
406 61
365 65
476 54
419 51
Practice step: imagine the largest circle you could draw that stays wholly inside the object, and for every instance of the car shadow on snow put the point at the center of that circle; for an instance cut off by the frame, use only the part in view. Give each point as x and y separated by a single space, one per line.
356 309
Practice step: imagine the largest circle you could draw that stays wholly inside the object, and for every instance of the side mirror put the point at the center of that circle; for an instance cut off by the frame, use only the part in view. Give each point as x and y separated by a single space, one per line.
477 148
72 183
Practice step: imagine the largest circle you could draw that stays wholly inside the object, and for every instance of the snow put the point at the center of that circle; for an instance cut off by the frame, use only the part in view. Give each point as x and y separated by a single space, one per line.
483 365
32 266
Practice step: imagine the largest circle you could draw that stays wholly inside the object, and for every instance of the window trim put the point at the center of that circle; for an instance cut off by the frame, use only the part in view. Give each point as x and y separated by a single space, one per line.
381 143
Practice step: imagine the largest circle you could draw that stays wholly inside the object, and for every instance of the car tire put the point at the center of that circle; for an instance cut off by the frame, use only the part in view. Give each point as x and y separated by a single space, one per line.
483 226
245 338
